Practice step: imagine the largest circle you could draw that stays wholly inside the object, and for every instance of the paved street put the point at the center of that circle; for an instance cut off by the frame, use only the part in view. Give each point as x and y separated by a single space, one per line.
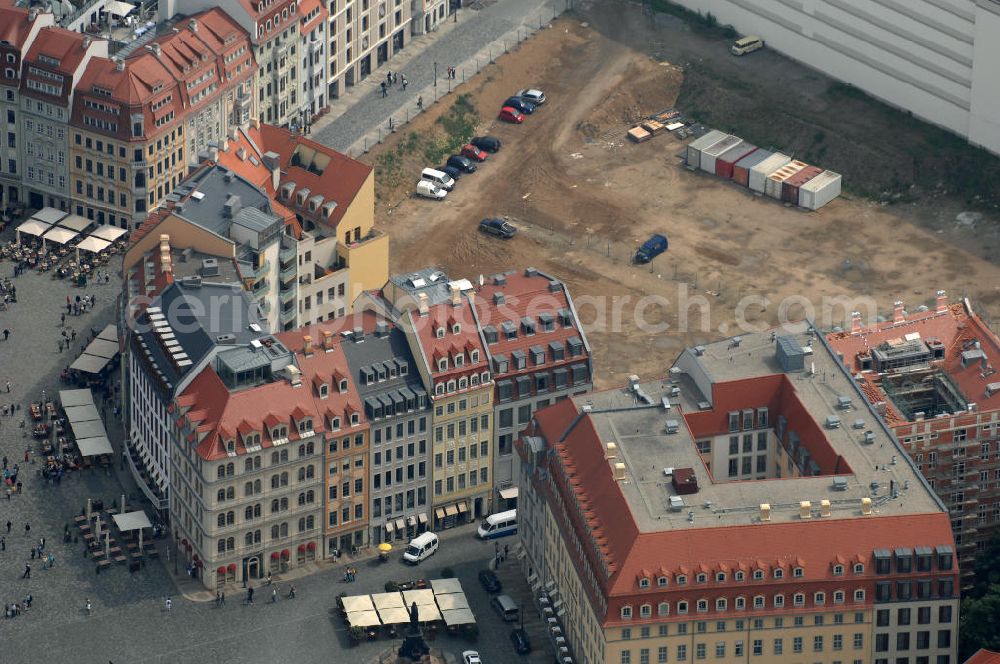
478 33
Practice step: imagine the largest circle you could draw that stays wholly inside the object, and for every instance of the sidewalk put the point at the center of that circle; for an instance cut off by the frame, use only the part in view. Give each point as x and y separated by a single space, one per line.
360 118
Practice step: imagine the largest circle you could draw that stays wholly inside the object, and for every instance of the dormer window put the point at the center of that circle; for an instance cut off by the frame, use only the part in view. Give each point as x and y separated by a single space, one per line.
682 580
463 383
324 391
306 425
643 583
484 377
335 423
779 573
626 613
355 419
343 385
720 577
798 572
231 446
661 581
838 570
443 364
451 385
859 568
701 578
439 332
474 380
739 575
459 360
456 328
473 356
439 389
758 574
741 603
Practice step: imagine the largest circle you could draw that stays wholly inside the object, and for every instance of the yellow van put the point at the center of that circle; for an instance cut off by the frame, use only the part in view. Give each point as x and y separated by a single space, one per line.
746 45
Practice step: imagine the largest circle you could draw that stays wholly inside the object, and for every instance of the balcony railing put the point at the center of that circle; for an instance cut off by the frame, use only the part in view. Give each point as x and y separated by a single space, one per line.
287 315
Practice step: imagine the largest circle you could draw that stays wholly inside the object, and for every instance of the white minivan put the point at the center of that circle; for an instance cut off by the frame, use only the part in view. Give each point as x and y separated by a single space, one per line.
439 178
747 44
420 548
429 189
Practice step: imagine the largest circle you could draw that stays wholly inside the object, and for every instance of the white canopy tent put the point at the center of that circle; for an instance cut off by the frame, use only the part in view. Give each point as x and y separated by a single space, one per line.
90 364
109 233
452 601
109 333
445 586
132 521
84 413
119 8
70 398
74 222
363 619
94 446
88 429
423 596
427 613
458 617
357 603
49 215
387 601
59 235
32 227
92 244
394 616
102 348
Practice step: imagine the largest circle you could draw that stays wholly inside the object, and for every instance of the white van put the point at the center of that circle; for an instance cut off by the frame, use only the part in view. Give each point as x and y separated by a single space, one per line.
746 45
420 548
428 189
439 178
498 525
505 608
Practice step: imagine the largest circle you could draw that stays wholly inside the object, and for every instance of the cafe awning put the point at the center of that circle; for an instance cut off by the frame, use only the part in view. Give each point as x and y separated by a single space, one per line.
445 586
451 510
102 348
95 446
110 233
363 619
458 617
90 429
452 601
387 601
439 513
90 364
136 520
510 493
70 398
388 527
74 222
59 235
400 524
422 517
427 613
119 8
82 414
33 227
463 507
394 616
49 215
93 244
109 333
357 603
421 596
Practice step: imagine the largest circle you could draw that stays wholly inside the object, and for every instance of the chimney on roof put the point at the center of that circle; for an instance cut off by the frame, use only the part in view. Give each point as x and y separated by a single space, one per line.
866 506
855 322
941 303
119 64
765 511
610 451
224 146
86 42
165 264
824 508
155 48
327 340
897 312
619 471
234 133
805 509
422 304
273 163
307 345
254 123
193 24
456 295
294 375
32 14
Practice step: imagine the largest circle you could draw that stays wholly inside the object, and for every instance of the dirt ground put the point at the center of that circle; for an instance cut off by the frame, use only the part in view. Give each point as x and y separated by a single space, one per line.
584 198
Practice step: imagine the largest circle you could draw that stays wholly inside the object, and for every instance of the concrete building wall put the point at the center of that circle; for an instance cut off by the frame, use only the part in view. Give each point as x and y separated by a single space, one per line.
929 57
462 454
356 52
44 153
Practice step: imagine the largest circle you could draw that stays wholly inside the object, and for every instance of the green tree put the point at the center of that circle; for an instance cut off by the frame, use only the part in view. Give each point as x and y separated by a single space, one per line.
987 568
978 628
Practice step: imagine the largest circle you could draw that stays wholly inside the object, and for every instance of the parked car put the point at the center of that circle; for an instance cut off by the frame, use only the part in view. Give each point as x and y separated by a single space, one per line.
412 584
532 96
489 581
520 640
472 152
471 657
512 115
450 171
488 143
651 248
747 44
439 178
498 227
462 163
522 105
428 189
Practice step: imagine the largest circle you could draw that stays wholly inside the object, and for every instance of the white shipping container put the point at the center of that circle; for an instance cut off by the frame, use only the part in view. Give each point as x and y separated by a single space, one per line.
695 147
772 186
709 155
759 173
820 190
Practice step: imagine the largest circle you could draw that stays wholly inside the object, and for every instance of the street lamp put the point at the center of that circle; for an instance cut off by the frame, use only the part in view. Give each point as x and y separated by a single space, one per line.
435 75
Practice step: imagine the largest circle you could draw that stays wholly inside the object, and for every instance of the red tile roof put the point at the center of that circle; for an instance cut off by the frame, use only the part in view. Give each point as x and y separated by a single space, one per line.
445 316
955 326
14 26
586 479
984 656
307 7
56 45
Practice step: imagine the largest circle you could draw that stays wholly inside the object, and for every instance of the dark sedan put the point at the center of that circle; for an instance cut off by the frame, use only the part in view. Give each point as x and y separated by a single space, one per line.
464 164
489 581
520 104
498 227
488 143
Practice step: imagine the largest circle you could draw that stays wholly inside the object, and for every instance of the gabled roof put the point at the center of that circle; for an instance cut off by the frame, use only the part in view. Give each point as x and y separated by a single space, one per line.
57 45
445 315
984 656
15 26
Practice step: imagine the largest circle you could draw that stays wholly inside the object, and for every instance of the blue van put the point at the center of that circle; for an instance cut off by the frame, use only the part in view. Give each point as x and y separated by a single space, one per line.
651 248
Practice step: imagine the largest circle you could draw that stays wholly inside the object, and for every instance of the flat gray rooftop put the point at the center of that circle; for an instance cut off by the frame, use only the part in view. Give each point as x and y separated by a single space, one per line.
647 449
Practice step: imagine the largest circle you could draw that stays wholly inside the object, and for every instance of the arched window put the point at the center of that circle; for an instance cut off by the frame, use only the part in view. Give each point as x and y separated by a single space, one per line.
284 503
248 489
302 499
645 611
310 448
274 458
310 472
284 529
274 481
779 573
302 474
819 598
220 472
221 546
248 539
230 518
221 496
721 604
663 609
256 486
248 465
310 496
741 603
779 601
230 469
682 606
222 520
302 525
302 451
758 574
274 506
626 613
838 596
310 522
248 513
644 583
463 383
701 578
274 532
230 543
661 581
798 599
758 601
702 605
284 479
739 575
230 493
284 456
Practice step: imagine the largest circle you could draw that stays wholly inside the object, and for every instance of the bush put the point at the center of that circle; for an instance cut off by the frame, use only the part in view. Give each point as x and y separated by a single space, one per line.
356 634
391 587
447 573
729 32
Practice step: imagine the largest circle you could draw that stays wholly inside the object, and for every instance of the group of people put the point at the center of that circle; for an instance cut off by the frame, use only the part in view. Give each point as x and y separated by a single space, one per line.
14 609
392 79
9 292
80 304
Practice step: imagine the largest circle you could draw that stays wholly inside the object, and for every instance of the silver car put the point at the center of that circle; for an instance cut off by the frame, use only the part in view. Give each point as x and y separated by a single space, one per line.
536 97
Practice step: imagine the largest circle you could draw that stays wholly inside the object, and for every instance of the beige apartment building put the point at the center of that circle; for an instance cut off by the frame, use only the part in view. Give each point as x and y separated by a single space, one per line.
364 35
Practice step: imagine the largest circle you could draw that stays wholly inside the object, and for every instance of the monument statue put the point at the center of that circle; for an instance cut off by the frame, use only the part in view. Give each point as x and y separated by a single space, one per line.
414 648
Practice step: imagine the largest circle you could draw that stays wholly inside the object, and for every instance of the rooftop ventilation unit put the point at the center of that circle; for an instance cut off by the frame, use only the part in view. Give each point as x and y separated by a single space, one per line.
765 511
824 509
859 424
665 402
844 402
673 426
840 484
832 422
699 350
704 405
869 437
676 503
226 339
866 506
805 509
210 267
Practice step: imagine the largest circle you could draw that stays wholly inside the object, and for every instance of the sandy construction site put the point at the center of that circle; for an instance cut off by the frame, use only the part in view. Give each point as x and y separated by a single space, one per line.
583 198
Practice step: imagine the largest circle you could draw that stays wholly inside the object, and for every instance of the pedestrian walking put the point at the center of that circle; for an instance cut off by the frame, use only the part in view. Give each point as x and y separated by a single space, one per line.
5 468
395 79
51 561
6 334
3 543
385 93
250 596
404 82
72 334
167 604
8 387
87 606
27 529
420 102
27 571
32 553
274 595
388 78
62 318
291 592
222 598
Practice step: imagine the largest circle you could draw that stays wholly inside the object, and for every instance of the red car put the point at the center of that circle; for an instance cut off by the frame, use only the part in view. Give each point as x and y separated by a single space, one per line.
508 114
474 153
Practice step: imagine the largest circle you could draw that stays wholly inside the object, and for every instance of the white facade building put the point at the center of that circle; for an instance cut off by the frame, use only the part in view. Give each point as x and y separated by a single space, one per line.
934 58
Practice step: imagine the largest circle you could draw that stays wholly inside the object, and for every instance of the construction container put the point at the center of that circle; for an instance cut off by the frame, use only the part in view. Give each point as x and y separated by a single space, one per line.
772 185
638 134
820 190
741 169
696 146
790 187
759 173
725 162
709 155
